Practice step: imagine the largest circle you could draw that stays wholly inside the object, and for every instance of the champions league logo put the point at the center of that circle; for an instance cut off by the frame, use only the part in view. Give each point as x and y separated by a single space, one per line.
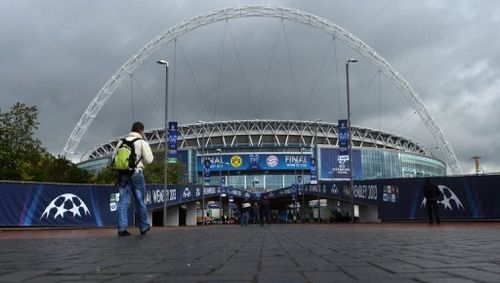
66 203
342 167
342 159
449 198
254 161
172 139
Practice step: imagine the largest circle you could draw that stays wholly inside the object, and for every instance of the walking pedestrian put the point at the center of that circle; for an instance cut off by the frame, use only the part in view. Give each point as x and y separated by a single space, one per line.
131 155
431 194
265 211
256 213
245 212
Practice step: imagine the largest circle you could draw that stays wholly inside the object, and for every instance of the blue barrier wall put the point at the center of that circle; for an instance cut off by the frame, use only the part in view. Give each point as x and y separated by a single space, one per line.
32 204
37 204
464 197
47 204
471 197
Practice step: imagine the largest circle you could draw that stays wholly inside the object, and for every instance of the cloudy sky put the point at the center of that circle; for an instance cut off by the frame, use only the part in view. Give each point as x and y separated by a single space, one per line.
58 54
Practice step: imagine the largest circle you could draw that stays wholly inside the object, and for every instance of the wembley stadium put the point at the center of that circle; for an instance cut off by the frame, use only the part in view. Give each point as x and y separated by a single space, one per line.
263 155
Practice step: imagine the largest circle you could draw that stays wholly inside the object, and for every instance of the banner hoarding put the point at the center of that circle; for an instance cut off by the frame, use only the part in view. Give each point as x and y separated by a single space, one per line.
257 162
172 142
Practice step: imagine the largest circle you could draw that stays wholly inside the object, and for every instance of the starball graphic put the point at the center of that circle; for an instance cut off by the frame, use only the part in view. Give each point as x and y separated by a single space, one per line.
66 203
450 199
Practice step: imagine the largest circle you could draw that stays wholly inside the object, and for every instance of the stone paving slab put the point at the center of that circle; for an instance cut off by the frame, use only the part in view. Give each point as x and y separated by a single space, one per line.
464 252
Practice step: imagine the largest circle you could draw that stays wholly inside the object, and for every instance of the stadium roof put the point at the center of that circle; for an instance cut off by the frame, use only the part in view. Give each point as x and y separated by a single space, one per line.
264 133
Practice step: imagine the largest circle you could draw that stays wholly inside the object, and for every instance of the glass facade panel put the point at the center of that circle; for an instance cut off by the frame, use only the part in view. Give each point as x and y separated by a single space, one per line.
383 163
420 166
237 181
290 180
378 163
274 182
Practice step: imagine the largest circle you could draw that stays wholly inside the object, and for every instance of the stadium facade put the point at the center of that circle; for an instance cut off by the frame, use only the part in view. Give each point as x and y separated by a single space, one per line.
272 154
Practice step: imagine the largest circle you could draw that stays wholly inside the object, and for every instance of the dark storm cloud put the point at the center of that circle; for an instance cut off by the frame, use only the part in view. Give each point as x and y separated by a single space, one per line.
58 54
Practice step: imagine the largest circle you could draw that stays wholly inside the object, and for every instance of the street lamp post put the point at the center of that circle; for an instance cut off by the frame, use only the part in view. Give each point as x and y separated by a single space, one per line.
163 62
203 171
227 192
315 154
220 183
302 188
350 135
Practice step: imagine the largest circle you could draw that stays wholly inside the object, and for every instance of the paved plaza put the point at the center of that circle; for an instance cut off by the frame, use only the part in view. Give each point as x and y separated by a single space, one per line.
409 252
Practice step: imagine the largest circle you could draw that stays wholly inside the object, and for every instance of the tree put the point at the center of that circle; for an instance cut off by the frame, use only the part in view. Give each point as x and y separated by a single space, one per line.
59 169
156 171
107 175
153 174
22 156
20 152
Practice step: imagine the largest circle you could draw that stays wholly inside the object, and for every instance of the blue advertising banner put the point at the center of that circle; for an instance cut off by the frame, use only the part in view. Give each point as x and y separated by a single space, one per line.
46 204
35 204
182 194
261 161
223 186
206 170
364 194
473 197
43 204
335 166
314 173
343 137
172 142
342 169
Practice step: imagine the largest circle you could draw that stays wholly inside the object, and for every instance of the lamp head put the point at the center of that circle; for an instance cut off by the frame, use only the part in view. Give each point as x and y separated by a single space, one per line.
162 62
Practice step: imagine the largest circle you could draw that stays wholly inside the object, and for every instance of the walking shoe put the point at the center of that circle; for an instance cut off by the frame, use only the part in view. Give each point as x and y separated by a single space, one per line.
146 230
123 233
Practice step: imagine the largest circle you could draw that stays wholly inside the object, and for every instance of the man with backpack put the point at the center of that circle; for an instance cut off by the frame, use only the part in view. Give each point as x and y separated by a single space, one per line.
132 153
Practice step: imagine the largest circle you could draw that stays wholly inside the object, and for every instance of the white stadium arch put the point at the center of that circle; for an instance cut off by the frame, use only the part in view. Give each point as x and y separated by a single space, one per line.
283 13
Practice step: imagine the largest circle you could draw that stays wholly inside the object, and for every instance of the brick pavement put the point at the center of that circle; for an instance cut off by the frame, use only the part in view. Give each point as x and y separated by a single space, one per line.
467 252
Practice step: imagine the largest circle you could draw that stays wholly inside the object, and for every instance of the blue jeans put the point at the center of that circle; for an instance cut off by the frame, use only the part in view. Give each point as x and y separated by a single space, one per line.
244 218
136 184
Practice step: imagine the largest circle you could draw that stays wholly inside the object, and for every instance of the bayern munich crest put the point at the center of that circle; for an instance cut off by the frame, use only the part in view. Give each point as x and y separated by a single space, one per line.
272 161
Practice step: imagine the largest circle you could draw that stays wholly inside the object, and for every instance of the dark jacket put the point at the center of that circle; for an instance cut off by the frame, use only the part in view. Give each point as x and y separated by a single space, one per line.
264 204
431 191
